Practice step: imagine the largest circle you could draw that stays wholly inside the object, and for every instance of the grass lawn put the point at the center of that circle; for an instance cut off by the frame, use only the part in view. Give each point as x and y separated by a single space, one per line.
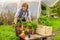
56 26
7 32
55 23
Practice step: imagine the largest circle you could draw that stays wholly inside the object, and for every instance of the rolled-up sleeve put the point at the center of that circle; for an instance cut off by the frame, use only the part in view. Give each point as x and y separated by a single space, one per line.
17 13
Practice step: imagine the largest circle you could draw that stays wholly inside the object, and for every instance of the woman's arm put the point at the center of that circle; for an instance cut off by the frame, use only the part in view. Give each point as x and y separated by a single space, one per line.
16 16
29 16
15 20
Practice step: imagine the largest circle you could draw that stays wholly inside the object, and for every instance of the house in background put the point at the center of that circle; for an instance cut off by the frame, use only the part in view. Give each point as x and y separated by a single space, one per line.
34 5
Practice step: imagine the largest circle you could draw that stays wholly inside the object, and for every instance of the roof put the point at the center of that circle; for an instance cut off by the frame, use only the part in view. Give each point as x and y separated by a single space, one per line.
49 3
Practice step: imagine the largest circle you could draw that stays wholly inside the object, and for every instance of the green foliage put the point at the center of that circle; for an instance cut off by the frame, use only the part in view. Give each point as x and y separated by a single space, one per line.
32 24
29 24
7 32
6 18
1 21
50 21
44 20
56 8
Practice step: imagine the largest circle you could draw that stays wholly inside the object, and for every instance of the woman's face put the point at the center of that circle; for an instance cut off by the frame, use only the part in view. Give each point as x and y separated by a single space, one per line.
24 8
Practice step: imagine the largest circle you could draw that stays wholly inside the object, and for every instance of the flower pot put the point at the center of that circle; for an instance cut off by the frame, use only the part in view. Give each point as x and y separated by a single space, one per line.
27 29
22 35
32 32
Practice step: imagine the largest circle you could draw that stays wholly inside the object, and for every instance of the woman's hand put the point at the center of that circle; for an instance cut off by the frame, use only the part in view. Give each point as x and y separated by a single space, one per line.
15 21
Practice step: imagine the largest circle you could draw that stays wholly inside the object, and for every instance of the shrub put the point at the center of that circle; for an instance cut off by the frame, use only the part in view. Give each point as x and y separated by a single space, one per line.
44 20
6 18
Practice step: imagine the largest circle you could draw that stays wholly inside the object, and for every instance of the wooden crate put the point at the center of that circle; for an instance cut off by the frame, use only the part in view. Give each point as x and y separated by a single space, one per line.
44 30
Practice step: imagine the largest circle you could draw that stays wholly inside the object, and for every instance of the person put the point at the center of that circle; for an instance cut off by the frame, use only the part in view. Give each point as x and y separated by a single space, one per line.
23 14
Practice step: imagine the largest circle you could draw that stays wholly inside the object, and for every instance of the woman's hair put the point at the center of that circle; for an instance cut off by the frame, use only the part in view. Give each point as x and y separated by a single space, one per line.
25 5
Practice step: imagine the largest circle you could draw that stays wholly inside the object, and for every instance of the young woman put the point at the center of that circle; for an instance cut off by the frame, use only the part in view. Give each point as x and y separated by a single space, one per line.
22 14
